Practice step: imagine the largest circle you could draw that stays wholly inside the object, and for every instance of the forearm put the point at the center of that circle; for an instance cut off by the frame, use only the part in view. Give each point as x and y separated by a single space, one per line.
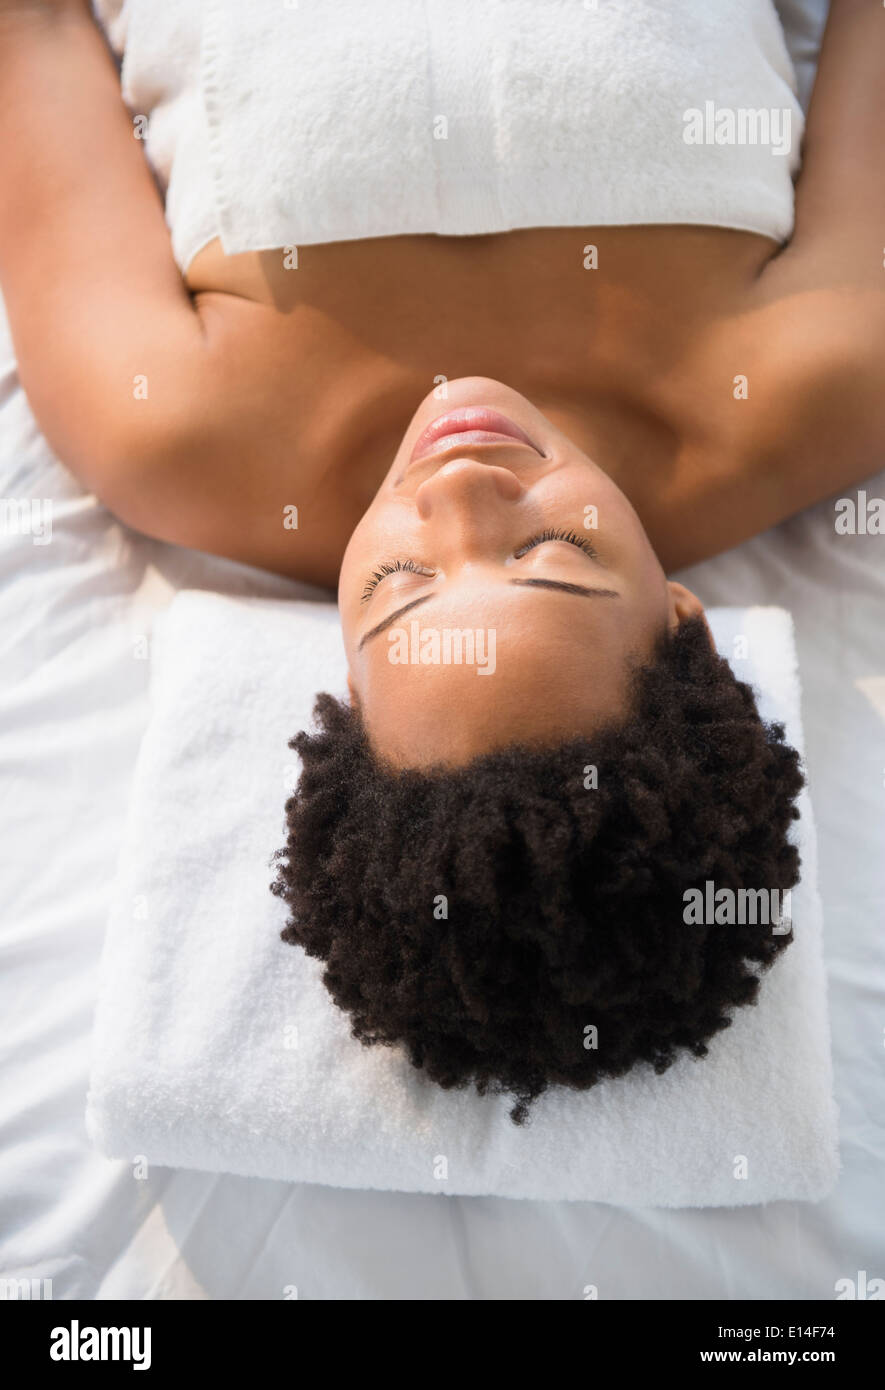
840 197
93 294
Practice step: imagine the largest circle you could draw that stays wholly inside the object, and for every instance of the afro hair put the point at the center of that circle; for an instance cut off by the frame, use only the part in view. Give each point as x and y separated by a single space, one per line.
519 922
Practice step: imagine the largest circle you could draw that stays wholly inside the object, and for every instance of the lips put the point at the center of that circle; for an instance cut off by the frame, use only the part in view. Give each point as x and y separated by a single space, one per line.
469 426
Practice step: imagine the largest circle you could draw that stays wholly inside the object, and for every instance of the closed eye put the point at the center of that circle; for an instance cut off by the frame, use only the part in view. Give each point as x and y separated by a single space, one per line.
555 534
413 567
392 568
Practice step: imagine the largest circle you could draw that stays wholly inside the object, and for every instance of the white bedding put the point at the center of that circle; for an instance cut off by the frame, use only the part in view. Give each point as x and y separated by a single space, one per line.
72 709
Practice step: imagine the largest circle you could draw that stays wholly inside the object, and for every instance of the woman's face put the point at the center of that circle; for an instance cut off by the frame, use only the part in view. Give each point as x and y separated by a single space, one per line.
499 589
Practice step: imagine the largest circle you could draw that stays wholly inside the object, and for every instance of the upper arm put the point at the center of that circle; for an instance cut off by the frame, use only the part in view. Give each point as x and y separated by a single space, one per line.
789 410
106 336
813 326
173 409
223 456
839 231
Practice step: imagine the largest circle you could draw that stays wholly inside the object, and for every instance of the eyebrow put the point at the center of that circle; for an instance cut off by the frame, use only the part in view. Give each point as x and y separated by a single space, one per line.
582 590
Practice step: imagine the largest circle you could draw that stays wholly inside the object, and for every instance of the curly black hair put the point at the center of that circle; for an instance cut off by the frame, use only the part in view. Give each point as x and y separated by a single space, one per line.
485 917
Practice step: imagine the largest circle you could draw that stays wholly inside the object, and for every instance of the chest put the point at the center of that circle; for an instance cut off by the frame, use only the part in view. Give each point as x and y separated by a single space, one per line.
565 305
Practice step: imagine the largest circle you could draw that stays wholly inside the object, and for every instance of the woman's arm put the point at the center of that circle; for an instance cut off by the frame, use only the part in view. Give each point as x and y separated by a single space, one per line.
822 299
840 197
812 330
166 406
95 300
808 337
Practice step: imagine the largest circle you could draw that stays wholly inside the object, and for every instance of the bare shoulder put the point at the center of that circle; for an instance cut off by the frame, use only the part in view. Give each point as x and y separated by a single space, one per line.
784 406
815 387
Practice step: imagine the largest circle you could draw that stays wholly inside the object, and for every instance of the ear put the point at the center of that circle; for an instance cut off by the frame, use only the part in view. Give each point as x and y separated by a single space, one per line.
352 691
684 605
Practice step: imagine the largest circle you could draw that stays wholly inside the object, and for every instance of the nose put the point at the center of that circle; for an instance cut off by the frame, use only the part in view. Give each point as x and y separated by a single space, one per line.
463 487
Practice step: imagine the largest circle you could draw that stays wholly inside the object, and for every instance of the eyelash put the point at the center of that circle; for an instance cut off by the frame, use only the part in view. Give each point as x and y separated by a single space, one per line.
555 534
551 534
371 584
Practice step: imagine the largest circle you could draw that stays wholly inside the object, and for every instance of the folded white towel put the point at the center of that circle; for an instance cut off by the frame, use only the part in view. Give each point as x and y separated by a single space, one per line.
216 1045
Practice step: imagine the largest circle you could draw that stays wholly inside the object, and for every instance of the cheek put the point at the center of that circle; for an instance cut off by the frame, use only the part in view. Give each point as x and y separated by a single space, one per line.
349 607
352 550
590 502
356 565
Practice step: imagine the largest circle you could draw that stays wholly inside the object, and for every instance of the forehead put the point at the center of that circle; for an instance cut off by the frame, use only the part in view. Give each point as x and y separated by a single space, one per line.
449 691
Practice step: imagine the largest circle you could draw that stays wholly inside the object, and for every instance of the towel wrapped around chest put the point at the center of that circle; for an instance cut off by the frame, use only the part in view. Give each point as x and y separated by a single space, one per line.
293 122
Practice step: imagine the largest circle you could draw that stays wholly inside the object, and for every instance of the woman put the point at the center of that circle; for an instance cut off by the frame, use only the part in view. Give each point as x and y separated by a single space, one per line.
514 433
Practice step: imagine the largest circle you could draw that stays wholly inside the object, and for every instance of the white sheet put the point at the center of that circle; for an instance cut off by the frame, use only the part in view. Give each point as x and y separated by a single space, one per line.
72 707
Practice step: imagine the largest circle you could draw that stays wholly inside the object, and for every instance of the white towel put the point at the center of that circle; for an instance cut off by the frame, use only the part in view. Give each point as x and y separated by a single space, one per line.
217 1047
293 122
